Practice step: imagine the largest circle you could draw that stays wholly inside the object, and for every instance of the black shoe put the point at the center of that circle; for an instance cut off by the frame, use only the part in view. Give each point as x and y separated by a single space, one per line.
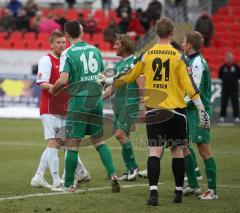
153 199
115 184
177 198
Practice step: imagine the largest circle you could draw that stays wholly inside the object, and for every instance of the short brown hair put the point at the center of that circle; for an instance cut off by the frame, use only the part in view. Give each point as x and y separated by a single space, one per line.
127 42
164 27
195 39
55 34
73 28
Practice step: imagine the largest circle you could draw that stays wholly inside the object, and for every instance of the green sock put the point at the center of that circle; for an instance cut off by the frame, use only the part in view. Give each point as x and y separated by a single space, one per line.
210 169
197 171
106 157
71 161
127 149
190 171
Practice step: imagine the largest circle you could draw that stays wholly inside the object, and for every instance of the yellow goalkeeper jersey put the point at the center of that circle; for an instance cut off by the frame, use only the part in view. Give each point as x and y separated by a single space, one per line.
166 78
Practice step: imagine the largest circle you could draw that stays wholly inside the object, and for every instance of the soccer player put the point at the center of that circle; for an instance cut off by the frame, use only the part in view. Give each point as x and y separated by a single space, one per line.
52 113
200 72
126 103
80 65
166 81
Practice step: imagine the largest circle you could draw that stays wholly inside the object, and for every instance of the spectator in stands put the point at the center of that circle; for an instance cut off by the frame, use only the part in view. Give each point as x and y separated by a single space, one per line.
23 21
106 6
7 22
48 25
61 20
14 6
181 8
123 24
111 31
135 27
31 8
124 7
205 27
81 20
143 18
154 10
71 3
229 73
36 22
91 26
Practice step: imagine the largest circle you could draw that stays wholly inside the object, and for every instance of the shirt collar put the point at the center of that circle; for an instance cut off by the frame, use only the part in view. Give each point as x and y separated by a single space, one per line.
194 55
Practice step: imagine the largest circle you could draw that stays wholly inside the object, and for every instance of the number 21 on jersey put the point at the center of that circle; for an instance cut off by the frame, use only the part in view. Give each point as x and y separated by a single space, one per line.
157 66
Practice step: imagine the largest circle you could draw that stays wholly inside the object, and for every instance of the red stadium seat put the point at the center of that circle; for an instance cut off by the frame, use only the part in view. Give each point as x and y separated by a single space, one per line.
217 19
6 45
223 11
16 36
30 36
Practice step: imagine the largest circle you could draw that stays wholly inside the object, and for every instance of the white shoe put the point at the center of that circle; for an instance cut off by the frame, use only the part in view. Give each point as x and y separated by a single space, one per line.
188 191
58 187
143 173
123 177
237 120
208 195
132 174
222 120
79 179
40 182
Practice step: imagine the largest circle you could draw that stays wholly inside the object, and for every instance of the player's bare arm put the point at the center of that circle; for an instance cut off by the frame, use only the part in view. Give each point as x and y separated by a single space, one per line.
60 83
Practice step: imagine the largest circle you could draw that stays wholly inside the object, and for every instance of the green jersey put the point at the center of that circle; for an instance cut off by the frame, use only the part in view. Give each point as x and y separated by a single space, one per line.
125 95
83 62
199 70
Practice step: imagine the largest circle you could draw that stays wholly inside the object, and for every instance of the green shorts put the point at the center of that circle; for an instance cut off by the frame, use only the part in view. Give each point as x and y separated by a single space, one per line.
84 117
196 134
124 120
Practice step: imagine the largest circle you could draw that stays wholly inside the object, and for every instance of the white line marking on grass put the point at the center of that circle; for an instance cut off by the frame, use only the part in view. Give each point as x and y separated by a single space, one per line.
78 191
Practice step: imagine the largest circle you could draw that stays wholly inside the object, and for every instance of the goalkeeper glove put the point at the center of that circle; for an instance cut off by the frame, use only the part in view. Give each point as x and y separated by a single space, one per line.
204 120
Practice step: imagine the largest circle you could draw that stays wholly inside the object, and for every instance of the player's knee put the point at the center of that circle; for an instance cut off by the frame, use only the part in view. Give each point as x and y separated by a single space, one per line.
205 153
54 143
121 137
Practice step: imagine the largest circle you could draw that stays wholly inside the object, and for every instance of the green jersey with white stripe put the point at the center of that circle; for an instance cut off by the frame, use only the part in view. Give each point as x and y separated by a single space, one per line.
83 62
125 95
198 67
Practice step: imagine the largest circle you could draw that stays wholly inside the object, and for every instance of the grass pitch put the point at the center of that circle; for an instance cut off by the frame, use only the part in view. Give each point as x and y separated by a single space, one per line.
21 145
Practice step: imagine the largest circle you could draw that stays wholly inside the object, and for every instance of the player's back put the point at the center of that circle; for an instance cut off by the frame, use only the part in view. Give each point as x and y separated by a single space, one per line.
162 72
84 63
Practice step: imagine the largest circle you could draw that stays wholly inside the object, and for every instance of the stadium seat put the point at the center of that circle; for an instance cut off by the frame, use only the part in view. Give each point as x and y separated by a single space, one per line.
217 19
30 36
6 44
223 11
16 36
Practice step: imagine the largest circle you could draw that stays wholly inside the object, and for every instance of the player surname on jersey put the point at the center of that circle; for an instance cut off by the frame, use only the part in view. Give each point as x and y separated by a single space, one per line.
166 52
160 86
89 78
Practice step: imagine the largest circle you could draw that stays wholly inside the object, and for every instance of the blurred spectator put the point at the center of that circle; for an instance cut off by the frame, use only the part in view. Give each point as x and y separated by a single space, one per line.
205 27
106 4
71 3
124 7
91 26
48 25
81 20
35 22
14 6
7 22
31 8
61 20
111 31
143 18
135 27
154 10
181 8
139 4
229 73
123 24
23 21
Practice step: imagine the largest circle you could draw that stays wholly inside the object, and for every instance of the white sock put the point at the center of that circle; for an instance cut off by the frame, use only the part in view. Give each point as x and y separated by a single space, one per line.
43 164
53 162
81 170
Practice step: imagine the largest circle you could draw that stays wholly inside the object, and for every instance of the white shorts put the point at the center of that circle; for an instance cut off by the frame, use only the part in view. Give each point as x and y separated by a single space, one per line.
54 126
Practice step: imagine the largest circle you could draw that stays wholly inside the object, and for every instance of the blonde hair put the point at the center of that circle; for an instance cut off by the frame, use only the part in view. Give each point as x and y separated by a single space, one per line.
126 42
55 34
164 27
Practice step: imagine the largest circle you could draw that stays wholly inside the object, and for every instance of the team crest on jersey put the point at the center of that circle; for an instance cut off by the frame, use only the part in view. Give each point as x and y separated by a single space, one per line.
189 69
